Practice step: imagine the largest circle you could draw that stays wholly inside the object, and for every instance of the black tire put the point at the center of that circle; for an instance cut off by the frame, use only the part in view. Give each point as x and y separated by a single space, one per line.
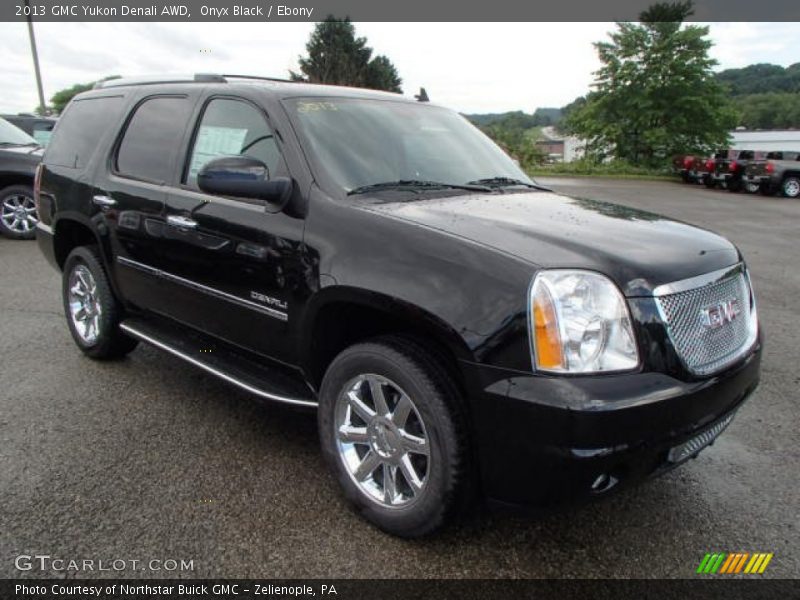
14 201
709 183
734 185
765 189
791 186
418 373
751 188
109 342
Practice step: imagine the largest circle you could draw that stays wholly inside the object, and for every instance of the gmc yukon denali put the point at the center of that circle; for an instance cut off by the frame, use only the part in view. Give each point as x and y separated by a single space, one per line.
463 333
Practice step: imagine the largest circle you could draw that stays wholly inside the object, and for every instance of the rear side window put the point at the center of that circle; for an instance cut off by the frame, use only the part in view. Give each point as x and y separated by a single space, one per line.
151 140
80 130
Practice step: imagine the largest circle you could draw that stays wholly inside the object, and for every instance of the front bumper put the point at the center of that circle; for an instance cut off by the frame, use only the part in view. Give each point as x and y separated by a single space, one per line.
544 440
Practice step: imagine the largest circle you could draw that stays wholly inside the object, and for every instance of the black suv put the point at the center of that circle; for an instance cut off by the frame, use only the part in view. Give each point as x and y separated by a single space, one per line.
461 331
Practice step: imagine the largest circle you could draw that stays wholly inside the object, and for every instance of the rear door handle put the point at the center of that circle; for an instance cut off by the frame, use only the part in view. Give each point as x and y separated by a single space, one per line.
181 222
104 201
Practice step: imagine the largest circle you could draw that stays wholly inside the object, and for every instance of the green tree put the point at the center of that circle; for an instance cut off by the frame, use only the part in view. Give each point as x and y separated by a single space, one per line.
655 94
772 110
337 57
61 98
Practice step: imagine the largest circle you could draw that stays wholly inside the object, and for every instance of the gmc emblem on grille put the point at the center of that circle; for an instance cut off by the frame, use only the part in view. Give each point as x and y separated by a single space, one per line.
718 315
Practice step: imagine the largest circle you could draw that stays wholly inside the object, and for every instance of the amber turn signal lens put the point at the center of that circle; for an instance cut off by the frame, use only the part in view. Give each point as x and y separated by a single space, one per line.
545 326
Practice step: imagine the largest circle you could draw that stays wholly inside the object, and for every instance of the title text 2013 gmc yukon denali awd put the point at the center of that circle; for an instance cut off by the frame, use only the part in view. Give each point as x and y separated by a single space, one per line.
461 331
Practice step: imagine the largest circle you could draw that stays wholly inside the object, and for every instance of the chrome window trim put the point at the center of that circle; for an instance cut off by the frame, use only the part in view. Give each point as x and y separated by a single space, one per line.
685 285
275 314
216 372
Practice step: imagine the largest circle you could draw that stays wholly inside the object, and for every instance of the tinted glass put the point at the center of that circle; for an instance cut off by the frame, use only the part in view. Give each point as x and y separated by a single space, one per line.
361 142
80 129
231 127
150 144
43 131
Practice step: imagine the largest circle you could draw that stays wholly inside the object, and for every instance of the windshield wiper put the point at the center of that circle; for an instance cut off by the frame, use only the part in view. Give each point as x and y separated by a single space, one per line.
10 144
418 184
496 182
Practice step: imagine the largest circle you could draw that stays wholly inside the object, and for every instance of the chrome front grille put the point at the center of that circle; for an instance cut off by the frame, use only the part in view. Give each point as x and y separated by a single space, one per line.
711 324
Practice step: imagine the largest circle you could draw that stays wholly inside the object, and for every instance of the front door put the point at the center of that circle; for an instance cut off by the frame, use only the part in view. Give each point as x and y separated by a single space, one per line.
235 269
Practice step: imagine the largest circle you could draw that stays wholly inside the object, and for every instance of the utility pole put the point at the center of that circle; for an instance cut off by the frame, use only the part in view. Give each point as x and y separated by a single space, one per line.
35 55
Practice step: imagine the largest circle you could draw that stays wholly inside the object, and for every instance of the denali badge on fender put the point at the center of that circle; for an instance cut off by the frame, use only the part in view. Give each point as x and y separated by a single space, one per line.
462 332
718 315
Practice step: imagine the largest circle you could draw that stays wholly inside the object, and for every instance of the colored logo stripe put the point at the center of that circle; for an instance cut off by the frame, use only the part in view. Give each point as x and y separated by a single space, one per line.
734 562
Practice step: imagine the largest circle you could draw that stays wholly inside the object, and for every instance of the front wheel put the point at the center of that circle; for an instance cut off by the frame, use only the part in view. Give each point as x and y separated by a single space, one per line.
390 427
18 216
93 313
791 187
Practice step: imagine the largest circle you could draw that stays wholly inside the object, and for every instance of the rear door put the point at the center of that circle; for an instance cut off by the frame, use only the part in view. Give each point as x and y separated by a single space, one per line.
132 191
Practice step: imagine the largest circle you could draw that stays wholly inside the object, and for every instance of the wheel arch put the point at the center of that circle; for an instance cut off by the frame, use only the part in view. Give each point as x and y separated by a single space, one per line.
71 231
340 316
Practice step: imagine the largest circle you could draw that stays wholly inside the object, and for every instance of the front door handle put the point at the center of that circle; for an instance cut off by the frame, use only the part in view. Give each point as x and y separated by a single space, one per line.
181 222
104 201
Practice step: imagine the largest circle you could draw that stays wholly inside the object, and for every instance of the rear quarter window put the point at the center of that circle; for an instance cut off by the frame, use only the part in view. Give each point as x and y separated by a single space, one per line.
80 130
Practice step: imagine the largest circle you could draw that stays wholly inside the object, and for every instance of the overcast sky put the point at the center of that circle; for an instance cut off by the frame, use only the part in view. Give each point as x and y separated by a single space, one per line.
472 67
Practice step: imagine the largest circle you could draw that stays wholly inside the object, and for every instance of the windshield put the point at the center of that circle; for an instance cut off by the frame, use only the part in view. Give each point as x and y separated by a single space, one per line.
11 135
362 142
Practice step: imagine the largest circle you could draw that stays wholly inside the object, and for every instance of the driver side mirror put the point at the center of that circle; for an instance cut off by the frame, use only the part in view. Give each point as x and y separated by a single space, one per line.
244 177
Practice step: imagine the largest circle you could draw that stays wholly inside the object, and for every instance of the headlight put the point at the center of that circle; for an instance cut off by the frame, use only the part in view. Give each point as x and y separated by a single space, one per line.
581 323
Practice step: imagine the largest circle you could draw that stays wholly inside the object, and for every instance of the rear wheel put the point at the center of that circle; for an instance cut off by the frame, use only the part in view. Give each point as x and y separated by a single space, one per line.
791 187
709 182
93 313
734 186
390 427
18 216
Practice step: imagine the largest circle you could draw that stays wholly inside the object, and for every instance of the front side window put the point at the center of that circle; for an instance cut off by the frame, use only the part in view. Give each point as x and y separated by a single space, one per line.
150 144
361 142
231 127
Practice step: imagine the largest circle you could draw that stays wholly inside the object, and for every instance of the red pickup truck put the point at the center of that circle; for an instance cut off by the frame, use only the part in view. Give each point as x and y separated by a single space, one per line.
692 168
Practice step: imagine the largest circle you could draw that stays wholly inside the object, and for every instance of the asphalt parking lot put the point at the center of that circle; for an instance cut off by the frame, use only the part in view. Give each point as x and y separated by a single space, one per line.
148 458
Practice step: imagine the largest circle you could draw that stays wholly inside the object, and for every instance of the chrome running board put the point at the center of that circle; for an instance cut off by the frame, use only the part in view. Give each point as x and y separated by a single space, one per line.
262 381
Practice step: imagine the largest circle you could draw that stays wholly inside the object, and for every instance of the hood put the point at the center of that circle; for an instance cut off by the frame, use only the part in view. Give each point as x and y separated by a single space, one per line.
638 250
34 152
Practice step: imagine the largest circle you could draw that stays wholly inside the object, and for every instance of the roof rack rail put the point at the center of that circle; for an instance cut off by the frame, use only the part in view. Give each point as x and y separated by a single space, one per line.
257 77
156 79
196 78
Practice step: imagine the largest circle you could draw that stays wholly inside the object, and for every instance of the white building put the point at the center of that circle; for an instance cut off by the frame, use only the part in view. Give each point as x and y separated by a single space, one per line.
766 140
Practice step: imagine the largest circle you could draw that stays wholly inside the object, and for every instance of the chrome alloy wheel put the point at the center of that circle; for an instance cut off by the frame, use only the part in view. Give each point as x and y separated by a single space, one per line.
18 213
84 306
382 441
